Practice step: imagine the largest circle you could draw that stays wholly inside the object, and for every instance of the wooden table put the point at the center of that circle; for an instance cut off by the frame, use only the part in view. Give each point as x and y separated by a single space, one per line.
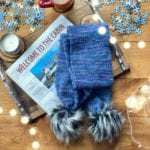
15 136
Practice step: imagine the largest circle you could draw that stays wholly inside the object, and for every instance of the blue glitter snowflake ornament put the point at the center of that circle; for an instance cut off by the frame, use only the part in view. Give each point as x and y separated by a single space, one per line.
14 14
128 17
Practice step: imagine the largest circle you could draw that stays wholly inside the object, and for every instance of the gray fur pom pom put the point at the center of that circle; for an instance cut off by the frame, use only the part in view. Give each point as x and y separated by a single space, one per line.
67 126
106 125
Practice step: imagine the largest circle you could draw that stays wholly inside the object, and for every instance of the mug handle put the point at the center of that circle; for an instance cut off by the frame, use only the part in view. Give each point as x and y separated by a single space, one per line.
46 3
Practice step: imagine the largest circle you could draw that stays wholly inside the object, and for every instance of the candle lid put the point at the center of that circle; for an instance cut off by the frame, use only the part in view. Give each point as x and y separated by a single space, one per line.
8 57
9 43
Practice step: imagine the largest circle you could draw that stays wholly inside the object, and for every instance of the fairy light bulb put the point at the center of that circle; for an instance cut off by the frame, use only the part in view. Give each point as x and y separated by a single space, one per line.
139 103
25 120
136 102
141 44
131 102
113 40
102 30
95 17
32 131
13 112
126 45
1 110
139 146
141 100
35 145
145 88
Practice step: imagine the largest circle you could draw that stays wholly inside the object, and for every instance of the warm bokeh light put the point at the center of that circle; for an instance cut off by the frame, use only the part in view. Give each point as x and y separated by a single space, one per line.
13 112
95 2
1 110
113 40
35 145
126 45
131 102
102 30
136 102
95 17
141 44
145 89
32 131
141 100
25 120
140 146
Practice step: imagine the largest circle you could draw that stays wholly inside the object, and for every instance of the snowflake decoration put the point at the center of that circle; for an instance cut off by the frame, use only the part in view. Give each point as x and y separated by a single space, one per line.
24 12
128 17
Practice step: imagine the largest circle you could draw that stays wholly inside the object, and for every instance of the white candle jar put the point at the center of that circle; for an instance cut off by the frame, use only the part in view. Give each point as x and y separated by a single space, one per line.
10 43
11 46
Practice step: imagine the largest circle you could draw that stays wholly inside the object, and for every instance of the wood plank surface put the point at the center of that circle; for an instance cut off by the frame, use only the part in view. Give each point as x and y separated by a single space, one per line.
15 136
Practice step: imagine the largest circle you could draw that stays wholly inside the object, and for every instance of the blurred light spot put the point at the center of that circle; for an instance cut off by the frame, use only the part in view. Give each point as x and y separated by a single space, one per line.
32 131
126 45
131 102
95 2
95 17
141 44
1 110
113 40
35 145
25 120
102 30
13 112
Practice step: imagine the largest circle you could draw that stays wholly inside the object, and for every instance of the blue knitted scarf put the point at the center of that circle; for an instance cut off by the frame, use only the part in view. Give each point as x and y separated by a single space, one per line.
84 68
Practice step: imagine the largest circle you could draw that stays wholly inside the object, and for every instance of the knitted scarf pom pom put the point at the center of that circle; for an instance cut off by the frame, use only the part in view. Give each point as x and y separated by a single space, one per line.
106 125
67 126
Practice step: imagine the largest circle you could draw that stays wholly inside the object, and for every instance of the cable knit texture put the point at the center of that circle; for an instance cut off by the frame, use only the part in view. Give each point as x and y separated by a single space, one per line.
84 68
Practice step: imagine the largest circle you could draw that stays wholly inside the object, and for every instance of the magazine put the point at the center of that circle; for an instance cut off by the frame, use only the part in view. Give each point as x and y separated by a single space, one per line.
34 71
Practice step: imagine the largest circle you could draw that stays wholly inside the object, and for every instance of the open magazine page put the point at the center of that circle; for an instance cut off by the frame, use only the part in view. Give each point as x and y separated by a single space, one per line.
34 71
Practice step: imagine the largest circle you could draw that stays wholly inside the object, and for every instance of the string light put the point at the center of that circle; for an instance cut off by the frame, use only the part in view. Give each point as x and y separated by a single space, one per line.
113 40
13 112
139 144
32 131
102 30
138 100
131 130
141 44
35 145
1 110
126 45
25 120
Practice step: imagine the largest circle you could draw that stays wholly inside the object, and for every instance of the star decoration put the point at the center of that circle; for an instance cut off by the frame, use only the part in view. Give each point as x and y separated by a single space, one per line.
22 13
